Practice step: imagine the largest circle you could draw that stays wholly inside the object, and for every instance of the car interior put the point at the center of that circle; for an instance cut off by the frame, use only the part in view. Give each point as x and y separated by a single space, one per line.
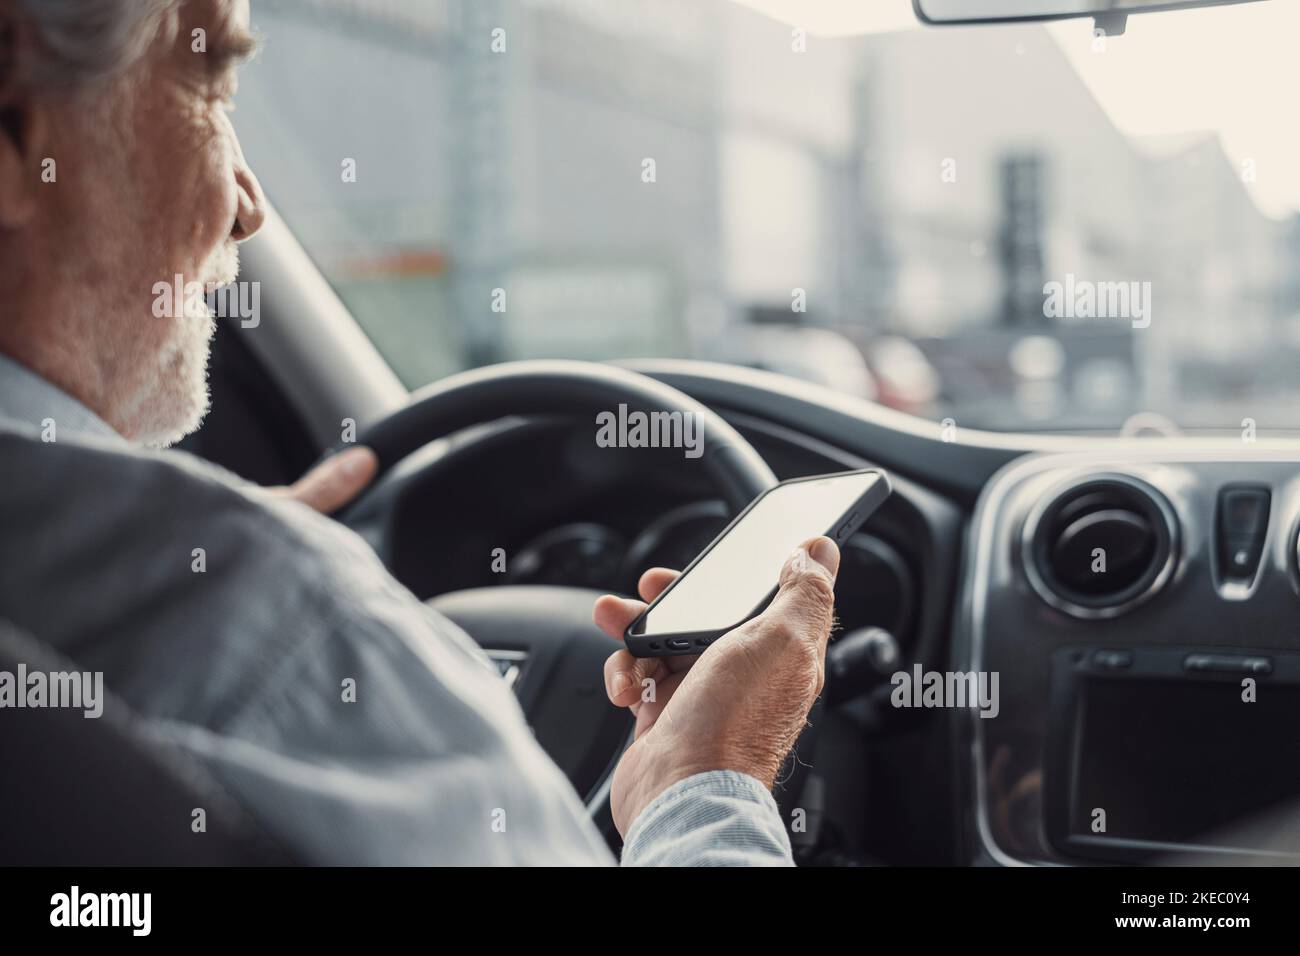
924 224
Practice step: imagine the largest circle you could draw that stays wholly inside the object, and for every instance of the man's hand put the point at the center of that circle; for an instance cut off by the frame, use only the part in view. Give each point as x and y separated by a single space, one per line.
738 706
334 482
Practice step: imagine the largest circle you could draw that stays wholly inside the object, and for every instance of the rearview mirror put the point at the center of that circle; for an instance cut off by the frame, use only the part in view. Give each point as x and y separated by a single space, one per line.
1110 14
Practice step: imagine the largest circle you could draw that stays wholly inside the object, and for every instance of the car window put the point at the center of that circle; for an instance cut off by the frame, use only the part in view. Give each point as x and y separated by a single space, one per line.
1010 227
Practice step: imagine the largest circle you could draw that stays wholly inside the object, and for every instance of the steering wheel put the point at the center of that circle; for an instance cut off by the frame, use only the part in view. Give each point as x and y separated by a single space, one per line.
544 636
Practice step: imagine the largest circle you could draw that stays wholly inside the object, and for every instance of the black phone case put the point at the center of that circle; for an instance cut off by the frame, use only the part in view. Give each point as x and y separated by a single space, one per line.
694 642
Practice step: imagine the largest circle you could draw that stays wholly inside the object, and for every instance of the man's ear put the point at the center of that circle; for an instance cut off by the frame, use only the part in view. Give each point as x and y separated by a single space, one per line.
23 122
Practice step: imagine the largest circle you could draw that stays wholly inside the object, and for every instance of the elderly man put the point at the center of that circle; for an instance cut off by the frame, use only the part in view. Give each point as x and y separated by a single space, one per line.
119 169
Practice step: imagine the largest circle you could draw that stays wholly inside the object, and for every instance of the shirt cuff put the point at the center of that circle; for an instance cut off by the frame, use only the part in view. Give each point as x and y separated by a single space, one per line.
717 818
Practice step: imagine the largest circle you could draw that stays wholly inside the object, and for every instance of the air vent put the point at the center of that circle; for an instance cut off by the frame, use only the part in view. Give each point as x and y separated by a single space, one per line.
1101 547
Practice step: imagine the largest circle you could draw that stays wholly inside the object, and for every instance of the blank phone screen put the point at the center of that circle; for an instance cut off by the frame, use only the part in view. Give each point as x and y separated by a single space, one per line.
733 579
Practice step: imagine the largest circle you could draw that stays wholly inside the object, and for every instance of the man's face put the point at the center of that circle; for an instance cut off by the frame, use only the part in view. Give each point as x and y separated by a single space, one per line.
153 186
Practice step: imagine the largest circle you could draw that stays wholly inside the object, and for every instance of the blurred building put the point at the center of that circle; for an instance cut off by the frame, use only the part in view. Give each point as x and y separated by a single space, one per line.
587 178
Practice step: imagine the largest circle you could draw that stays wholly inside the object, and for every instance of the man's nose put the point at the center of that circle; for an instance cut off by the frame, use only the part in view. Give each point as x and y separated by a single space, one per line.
252 201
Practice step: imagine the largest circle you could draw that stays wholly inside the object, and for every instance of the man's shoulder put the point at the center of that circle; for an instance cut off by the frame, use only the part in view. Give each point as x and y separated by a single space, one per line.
35 460
147 491
146 564
116 493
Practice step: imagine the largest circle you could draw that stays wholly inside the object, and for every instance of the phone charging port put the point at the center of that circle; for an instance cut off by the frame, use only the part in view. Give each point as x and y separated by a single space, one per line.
677 645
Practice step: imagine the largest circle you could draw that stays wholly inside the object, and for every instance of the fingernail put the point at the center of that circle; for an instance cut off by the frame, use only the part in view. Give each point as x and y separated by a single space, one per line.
799 560
619 683
824 552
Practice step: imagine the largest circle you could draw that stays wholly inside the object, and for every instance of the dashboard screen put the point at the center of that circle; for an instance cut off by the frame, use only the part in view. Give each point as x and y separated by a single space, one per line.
1174 761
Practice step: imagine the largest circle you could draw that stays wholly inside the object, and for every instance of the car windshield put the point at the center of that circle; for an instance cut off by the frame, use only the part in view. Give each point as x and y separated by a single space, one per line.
1014 227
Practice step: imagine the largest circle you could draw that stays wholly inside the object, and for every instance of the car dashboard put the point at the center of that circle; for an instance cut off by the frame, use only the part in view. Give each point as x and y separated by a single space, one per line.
1095 588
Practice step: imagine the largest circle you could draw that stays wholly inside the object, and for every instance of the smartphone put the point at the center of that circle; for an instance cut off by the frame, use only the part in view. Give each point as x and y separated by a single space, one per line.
736 576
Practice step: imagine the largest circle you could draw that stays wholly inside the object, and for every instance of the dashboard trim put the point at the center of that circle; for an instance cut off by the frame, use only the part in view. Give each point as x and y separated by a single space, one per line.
901 443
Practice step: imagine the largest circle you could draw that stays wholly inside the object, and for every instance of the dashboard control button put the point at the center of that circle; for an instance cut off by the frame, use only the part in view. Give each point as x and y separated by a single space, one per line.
1227 664
1243 510
1241 553
1112 660
1241 527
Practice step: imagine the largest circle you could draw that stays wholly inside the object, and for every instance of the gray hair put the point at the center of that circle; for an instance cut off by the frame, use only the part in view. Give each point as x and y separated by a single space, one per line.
85 41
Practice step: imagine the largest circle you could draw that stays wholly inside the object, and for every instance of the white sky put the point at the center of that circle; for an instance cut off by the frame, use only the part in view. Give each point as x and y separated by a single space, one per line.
1233 70
839 17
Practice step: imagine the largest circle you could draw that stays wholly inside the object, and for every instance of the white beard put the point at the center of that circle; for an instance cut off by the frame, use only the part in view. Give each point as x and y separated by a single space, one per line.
174 398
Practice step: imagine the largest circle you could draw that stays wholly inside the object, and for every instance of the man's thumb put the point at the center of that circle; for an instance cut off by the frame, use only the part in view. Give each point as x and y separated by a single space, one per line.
805 601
